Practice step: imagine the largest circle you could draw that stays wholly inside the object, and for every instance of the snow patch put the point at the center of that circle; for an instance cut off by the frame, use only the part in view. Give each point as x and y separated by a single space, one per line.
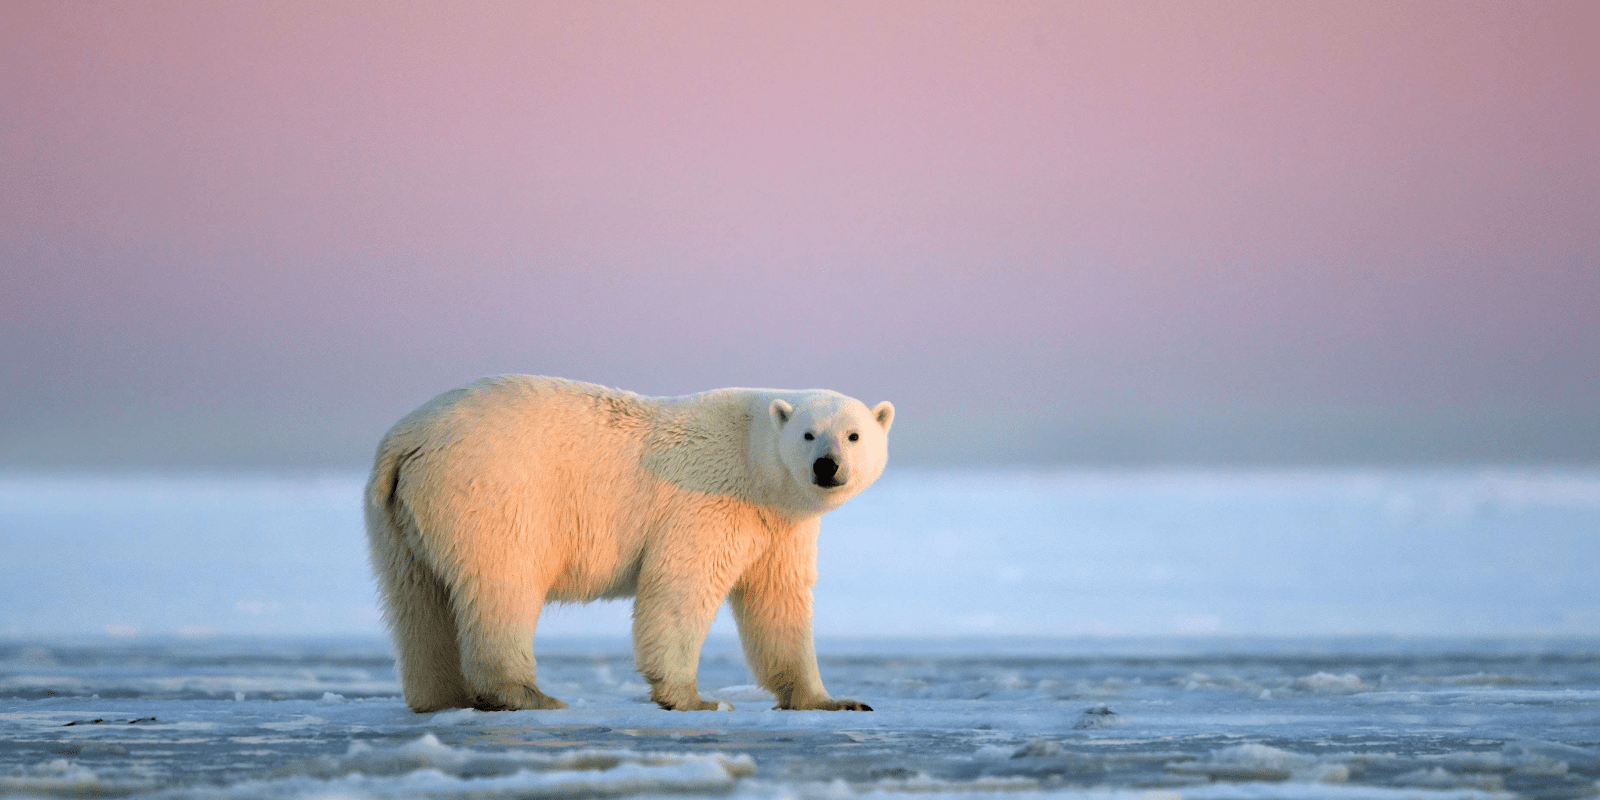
1039 748
747 692
60 776
1328 683
1260 762
428 753
627 779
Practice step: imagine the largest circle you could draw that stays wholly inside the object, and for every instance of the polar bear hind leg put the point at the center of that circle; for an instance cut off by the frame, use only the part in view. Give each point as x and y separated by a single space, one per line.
495 621
450 652
417 605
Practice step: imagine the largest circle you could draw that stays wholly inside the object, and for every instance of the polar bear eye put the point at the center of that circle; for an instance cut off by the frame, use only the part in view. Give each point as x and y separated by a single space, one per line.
809 437
855 436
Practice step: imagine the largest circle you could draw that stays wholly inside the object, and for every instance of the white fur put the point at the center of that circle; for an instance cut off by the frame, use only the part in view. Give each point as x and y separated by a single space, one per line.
502 495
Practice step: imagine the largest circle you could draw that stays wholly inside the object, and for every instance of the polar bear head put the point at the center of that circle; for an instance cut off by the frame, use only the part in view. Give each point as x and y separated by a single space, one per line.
831 446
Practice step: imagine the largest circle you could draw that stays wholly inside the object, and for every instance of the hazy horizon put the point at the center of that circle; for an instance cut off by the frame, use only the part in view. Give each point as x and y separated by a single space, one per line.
1127 234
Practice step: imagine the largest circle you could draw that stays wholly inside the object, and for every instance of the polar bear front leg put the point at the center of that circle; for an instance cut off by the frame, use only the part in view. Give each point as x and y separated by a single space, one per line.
670 623
772 605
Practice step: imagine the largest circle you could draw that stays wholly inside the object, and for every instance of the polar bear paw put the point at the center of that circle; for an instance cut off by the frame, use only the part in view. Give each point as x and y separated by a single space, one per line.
826 705
696 705
682 696
519 697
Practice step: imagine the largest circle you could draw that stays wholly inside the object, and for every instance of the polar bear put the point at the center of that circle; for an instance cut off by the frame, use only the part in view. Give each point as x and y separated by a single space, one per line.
505 494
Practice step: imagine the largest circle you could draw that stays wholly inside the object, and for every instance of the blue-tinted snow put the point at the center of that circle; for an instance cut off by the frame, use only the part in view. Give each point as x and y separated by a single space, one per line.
1462 553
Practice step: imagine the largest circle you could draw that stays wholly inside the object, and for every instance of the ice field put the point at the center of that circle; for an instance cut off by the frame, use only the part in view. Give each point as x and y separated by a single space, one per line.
1182 718
1202 635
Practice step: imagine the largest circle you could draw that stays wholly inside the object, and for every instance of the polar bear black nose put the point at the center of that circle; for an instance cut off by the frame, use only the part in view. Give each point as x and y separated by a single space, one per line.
824 469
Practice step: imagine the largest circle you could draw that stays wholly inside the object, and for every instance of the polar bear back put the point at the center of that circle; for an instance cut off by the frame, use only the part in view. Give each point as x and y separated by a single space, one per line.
564 482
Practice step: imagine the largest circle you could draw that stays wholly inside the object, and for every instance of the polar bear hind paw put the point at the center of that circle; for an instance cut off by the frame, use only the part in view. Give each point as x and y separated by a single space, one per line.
827 705
516 698
699 705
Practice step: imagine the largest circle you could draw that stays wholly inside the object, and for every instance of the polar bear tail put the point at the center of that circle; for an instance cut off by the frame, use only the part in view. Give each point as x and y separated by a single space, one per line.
416 602
385 528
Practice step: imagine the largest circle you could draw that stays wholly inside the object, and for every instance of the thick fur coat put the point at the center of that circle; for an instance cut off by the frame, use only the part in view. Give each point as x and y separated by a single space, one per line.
514 491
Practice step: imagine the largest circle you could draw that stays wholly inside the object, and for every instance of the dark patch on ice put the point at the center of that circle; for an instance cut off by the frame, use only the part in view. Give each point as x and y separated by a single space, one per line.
1100 716
91 749
702 739
98 720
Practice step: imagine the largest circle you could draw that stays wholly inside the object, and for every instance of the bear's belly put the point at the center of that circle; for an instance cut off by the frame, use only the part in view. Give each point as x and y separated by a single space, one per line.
596 578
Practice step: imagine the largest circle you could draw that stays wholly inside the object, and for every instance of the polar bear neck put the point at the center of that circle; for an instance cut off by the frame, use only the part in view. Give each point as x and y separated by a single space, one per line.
719 443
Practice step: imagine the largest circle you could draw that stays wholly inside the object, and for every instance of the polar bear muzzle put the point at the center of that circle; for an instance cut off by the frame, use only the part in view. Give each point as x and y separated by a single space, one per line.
824 471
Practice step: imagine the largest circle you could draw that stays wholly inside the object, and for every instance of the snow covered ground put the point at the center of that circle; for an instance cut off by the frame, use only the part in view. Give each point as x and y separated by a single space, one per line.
1197 718
1201 635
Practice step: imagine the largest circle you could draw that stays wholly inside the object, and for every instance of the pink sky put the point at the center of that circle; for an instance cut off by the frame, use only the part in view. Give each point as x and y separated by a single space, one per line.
257 233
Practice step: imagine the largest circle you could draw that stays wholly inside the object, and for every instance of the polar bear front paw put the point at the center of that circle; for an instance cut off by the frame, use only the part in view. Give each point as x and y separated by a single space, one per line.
518 697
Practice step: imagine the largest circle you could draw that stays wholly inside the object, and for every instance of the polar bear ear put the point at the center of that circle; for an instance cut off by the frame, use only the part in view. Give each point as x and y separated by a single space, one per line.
781 411
884 412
